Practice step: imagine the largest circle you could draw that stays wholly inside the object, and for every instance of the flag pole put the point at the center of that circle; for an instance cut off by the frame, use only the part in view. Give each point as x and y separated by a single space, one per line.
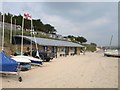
3 34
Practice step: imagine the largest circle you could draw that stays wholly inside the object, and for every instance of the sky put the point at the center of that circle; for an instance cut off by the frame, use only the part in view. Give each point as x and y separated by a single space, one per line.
96 21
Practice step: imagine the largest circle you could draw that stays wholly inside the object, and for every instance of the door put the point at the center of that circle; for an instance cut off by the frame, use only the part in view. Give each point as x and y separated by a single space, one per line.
66 51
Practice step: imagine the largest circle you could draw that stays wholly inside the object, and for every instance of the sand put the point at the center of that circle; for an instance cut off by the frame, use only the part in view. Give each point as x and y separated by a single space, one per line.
91 70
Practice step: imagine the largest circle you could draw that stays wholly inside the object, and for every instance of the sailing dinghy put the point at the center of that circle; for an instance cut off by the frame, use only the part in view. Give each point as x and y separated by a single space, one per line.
33 60
6 63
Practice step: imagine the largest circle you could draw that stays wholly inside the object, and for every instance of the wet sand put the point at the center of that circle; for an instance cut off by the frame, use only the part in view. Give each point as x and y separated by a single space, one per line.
91 70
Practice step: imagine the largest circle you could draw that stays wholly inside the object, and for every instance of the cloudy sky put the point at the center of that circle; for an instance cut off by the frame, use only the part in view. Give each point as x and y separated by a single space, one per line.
96 21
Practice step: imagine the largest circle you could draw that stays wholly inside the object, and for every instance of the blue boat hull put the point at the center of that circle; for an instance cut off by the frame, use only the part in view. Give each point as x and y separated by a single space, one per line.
36 62
7 64
25 66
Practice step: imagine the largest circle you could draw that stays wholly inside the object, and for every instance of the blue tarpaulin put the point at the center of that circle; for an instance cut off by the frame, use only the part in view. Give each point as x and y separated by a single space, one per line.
7 64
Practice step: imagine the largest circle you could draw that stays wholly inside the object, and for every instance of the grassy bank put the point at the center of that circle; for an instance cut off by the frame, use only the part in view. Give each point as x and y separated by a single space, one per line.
90 47
8 46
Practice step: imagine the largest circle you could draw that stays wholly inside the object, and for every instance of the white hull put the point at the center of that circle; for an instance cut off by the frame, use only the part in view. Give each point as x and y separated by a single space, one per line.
21 59
34 60
114 53
25 63
25 59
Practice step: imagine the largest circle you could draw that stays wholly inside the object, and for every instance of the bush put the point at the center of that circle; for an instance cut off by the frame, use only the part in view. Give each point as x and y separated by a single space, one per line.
90 47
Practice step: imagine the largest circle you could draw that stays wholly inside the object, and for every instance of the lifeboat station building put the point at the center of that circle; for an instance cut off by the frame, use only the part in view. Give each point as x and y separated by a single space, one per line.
59 47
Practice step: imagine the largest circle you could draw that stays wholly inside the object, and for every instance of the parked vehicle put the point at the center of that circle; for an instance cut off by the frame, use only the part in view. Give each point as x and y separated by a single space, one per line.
45 56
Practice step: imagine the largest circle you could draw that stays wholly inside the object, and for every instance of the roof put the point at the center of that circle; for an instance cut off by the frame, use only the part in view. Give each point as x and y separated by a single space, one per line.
51 42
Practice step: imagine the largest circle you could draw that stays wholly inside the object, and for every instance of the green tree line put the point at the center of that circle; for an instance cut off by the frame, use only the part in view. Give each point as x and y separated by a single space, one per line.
78 39
37 23
39 26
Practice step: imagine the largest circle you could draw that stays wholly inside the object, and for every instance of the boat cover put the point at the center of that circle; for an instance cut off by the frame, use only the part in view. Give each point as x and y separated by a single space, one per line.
7 64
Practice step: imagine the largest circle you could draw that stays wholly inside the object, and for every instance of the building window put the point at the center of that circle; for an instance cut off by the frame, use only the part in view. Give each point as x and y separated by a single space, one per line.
72 48
61 49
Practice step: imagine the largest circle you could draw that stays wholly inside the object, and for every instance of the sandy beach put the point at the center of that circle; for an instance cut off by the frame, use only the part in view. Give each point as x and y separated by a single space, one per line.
91 70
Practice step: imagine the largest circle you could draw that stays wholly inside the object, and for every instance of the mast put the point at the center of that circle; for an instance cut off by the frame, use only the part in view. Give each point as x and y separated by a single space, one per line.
31 36
111 41
15 26
22 36
11 32
3 34
37 54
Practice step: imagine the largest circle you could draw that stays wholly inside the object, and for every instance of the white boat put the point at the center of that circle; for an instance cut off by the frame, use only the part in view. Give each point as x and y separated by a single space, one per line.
33 60
26 59
6 63
112 53
25 63
21 58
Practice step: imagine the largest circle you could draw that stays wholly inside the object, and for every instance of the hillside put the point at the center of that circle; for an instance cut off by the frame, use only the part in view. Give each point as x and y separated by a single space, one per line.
37 23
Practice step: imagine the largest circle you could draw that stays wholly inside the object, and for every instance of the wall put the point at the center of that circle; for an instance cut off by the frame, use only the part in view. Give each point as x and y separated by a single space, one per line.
18 47
71 50
60 51
78 51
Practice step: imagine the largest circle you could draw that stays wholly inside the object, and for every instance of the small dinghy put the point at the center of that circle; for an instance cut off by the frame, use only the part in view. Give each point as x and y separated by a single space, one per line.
9 65
25 63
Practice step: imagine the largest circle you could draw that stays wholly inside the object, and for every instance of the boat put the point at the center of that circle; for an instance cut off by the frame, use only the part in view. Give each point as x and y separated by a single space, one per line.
33 60
112 53
25 63
9 65
6 63
37 61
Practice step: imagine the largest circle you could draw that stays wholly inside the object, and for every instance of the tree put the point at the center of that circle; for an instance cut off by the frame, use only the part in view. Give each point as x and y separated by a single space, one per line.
93 44
37 23
80 39
19 19
27 24
72 38
49 29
